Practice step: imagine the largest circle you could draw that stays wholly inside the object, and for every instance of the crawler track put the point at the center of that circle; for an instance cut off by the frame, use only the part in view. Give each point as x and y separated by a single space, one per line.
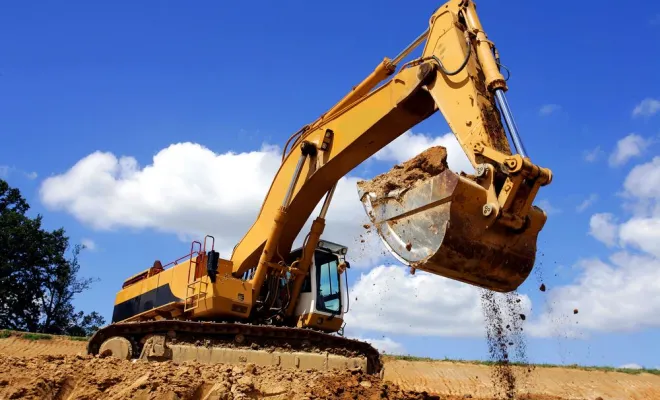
224 334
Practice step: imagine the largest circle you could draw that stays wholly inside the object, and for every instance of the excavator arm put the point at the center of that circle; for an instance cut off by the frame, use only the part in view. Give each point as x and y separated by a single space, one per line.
458 74
480 229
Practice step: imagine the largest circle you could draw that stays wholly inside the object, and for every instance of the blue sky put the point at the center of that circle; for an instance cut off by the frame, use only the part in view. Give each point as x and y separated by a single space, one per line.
133 79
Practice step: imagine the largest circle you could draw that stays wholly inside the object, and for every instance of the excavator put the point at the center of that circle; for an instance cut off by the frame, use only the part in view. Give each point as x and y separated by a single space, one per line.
272 304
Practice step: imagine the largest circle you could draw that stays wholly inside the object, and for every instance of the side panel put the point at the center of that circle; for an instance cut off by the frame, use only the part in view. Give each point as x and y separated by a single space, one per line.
127 302
156 291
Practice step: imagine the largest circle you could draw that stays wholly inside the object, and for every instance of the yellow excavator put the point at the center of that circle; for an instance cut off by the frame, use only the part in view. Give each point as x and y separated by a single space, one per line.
271 304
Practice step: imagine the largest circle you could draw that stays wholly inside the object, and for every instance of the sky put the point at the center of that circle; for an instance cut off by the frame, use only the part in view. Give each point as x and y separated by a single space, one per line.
139 127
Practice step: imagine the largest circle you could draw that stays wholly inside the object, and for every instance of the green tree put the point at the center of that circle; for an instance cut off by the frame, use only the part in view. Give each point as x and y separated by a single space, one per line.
37 281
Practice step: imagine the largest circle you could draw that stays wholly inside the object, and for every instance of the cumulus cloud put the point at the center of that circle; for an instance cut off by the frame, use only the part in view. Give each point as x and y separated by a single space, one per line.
643 181
389 300
620 293
410 144
642 234
586 203
646 108
603 227
190 191
187 190
630 146
548 109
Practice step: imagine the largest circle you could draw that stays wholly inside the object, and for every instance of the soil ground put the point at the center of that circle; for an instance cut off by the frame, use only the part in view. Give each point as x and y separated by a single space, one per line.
59 369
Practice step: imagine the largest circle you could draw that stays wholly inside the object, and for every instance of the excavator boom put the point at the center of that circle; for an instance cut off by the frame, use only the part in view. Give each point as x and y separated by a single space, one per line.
476 228
457 74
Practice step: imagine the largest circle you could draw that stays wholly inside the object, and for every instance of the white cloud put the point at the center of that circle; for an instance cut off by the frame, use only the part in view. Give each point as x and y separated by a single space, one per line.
385 345
643 181
603 227
548 109
89 244
631 366
592 155
622 292
630 146
588 202
6 170
187 190
546 206
642 234
191 191
621 295
410 144
388 300
646 108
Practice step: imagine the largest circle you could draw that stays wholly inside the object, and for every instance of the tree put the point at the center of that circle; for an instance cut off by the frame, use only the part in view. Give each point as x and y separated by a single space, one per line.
37 281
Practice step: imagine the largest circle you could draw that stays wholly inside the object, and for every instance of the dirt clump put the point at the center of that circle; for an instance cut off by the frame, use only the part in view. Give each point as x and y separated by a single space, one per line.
430 162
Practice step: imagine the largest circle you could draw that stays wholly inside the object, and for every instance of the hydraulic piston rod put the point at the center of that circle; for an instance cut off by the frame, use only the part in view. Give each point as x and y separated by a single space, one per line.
510 123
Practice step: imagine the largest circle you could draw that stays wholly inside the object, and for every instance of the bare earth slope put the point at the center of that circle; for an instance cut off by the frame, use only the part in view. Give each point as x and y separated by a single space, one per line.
16 346
569 383
58 369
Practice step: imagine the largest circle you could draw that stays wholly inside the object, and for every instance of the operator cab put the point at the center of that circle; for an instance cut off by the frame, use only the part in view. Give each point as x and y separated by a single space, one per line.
324 291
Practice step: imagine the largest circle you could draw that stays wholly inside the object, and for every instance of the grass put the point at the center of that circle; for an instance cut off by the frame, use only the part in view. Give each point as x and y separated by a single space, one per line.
36 336
79 338
7 333
632 371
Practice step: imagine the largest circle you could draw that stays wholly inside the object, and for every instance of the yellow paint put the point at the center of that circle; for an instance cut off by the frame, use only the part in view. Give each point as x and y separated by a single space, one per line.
321 322
229 296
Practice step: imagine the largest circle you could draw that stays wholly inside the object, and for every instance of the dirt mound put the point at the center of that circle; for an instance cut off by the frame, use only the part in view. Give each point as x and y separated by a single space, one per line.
60 377
429 163
85 377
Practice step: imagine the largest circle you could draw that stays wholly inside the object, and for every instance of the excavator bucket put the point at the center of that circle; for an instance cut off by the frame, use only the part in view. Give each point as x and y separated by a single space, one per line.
432 219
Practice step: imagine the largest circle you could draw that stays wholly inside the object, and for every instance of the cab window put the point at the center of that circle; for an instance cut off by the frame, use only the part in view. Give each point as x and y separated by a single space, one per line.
328 298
